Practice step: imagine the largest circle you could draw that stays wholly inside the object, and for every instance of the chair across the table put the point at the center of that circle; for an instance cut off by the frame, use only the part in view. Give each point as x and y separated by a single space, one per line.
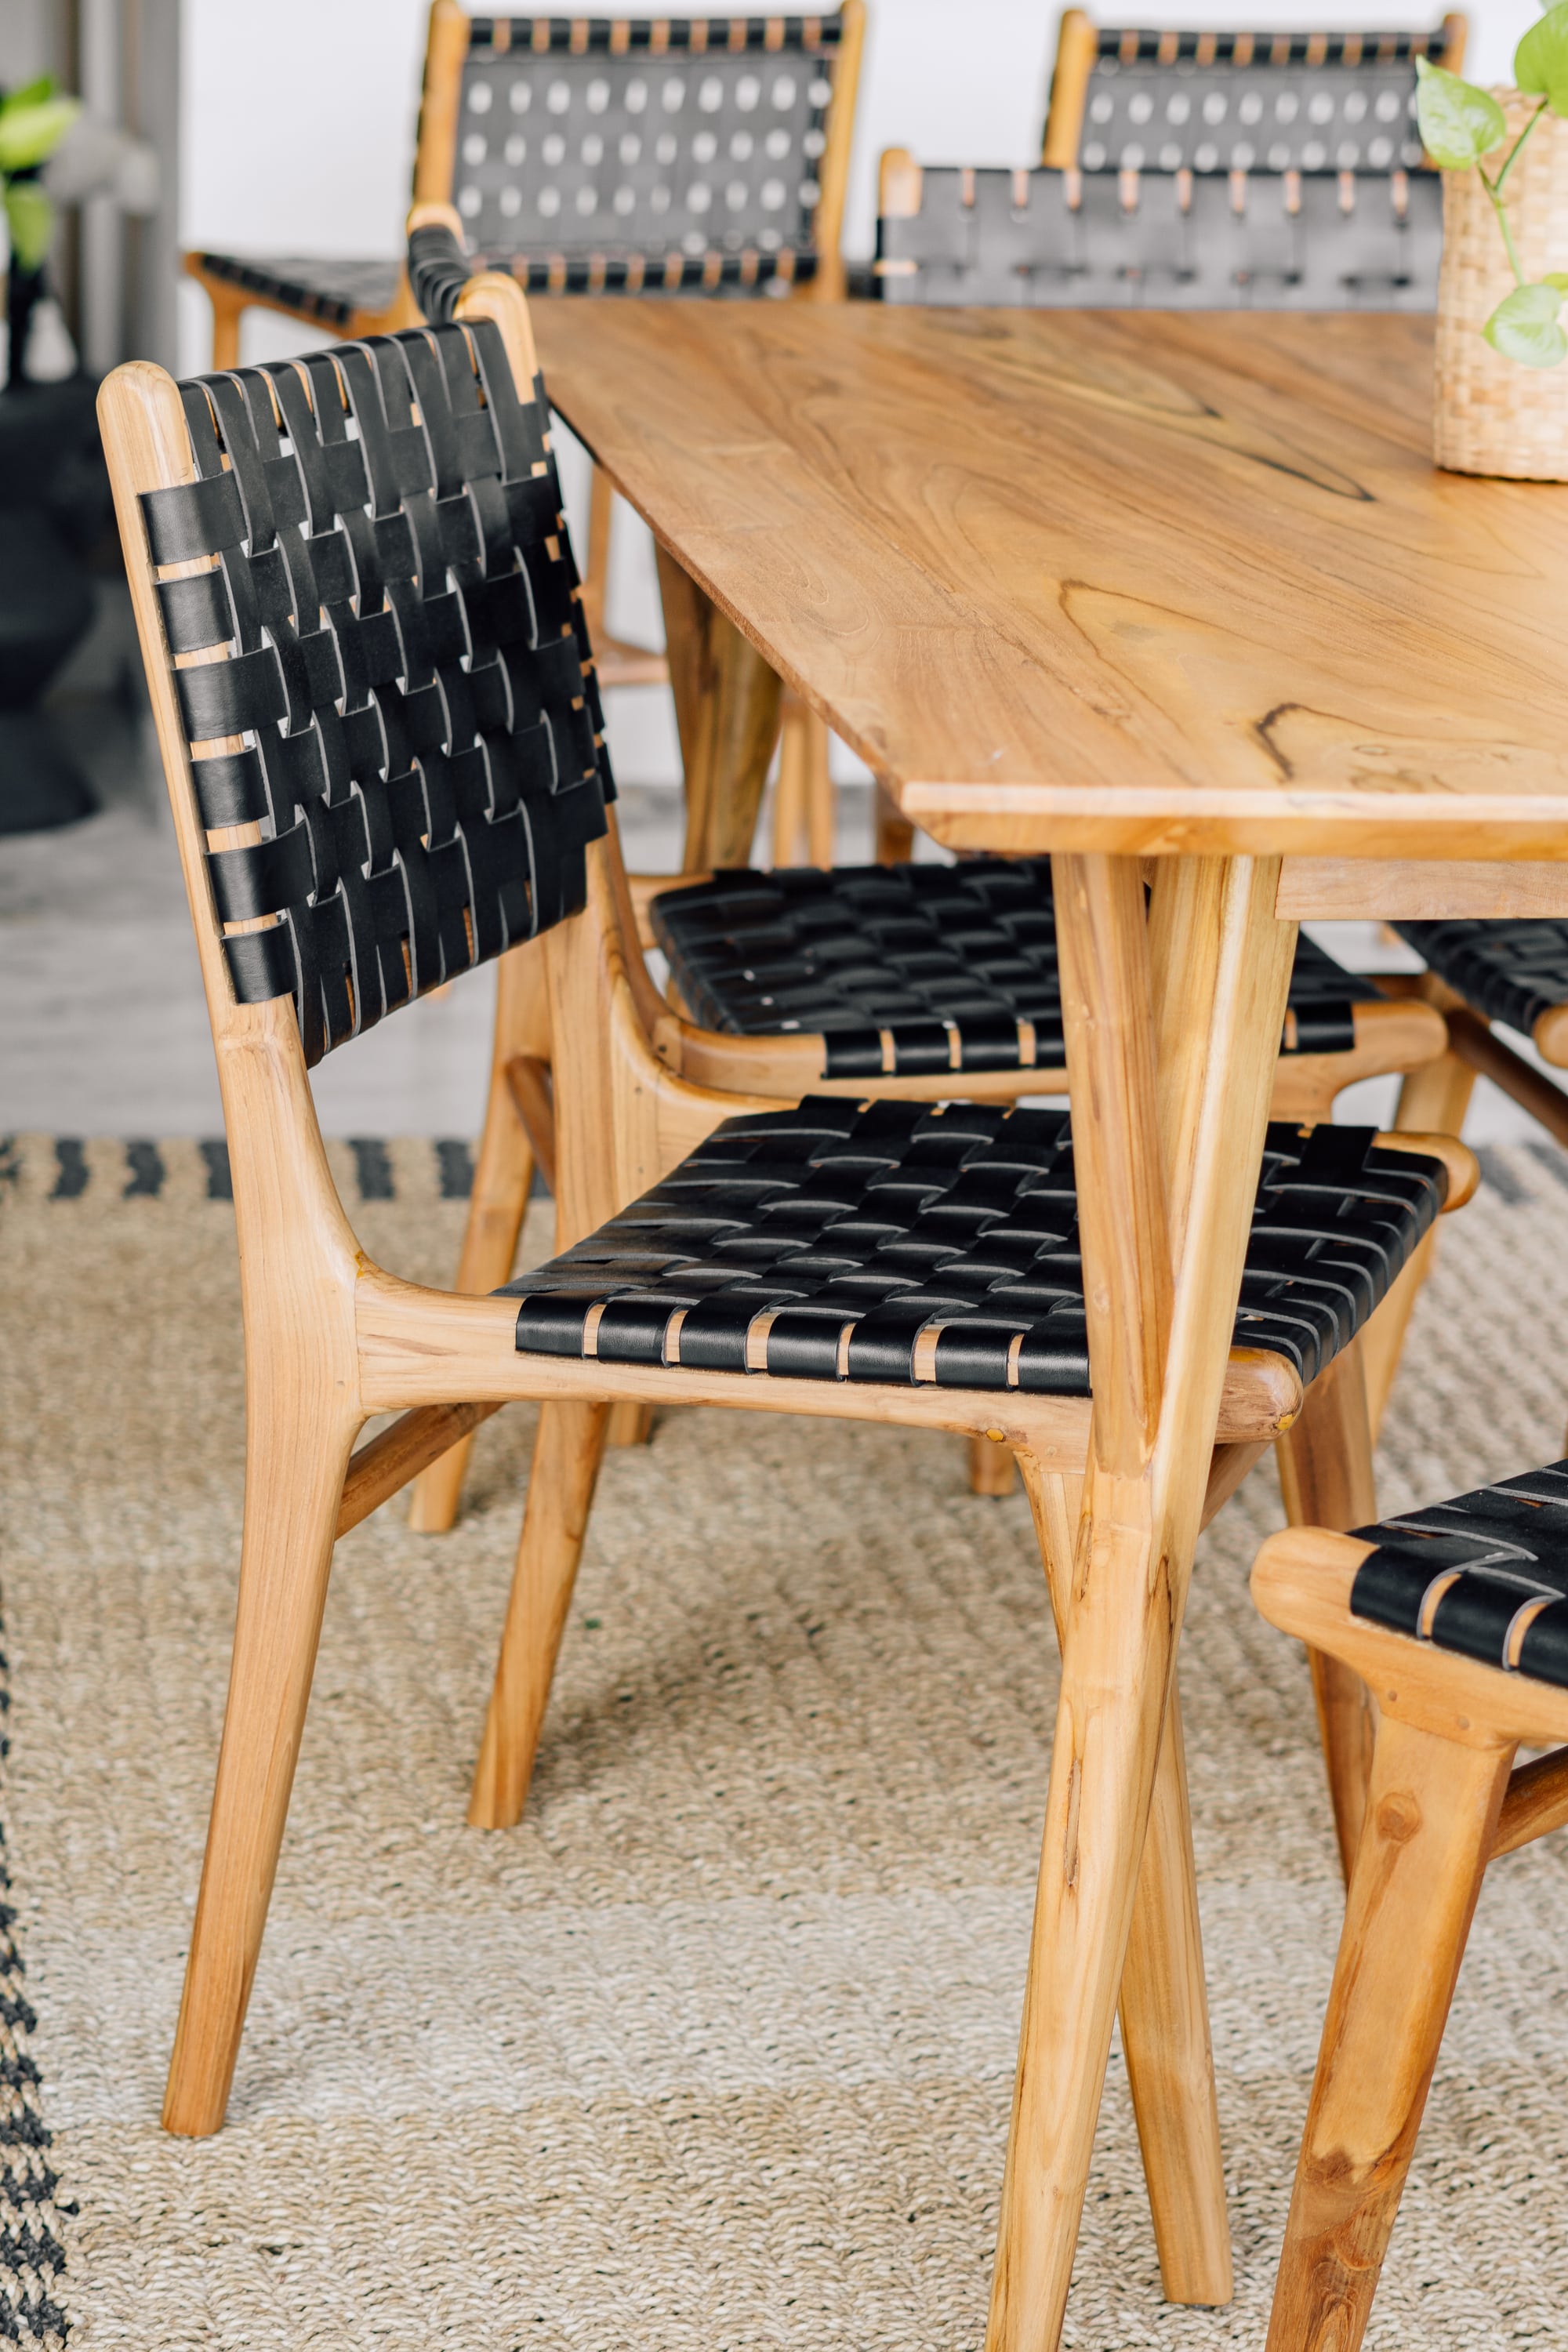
903 980
1156 239
1510 973
375 697
632 156
1456 1617
1221 100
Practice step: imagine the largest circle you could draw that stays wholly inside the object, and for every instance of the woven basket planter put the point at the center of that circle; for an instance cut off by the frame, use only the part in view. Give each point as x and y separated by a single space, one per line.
1494 416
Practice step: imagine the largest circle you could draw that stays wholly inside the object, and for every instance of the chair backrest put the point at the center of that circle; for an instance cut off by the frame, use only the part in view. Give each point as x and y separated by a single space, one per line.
1220 101
635 154
1160 241
371 619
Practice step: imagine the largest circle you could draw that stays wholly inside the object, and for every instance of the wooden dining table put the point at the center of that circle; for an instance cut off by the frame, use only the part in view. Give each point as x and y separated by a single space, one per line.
1179 599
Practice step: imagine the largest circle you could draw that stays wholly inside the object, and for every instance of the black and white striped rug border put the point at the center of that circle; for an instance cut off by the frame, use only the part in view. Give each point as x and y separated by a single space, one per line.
428 1167
33 2205
366 1168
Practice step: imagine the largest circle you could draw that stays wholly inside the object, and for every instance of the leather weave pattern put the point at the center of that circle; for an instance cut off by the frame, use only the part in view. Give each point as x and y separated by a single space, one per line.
1167 240
618 155
408 703
1242 101
1485 1574
887 1242
1512 972
911 968
333 291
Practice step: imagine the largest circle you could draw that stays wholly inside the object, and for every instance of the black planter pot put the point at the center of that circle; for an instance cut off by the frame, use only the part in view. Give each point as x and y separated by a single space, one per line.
53 504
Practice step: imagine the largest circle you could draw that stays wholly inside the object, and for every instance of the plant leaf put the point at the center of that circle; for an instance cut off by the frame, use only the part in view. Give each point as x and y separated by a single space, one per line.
30 219
1525 327
1460 123
1541 60
32 93
29 134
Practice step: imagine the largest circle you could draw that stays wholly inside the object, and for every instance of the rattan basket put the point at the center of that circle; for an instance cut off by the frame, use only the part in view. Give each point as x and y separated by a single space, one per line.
1494 416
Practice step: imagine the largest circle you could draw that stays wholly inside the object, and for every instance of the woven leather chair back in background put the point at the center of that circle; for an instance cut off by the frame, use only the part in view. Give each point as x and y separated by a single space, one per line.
1161 240
630 154
1130 99
409 712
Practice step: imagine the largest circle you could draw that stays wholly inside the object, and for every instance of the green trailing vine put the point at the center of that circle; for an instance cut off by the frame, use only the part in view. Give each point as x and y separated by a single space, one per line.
32 121
1461 127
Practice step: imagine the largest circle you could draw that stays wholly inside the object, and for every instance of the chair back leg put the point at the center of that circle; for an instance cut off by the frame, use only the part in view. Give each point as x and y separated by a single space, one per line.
1431 1816
566 1456
1326 1481
503 1177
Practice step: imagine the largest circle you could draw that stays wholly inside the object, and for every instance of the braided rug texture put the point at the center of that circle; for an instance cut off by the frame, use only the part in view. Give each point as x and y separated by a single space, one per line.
715 2050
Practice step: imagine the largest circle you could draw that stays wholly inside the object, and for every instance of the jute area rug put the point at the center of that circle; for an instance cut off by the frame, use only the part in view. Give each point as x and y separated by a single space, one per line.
715 2050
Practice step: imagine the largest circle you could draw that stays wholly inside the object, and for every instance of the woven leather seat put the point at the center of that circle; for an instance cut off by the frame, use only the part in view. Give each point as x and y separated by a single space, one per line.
887 1242
1485 1574
1512 972
910 969
336 293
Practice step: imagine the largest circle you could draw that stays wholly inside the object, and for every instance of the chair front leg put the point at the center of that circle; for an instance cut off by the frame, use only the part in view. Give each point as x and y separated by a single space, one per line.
297 1445
1432 1811
1326 1481
566 1457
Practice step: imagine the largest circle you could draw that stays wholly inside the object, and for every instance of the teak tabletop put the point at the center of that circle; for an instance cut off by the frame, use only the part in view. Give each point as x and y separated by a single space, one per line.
1115 585
1131 581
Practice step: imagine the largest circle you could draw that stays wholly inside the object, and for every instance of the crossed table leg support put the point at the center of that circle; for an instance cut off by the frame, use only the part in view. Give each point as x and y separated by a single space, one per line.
1172 1024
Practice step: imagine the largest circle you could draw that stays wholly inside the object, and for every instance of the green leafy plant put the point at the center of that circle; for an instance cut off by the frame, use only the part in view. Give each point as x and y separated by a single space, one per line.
1461 127
32 121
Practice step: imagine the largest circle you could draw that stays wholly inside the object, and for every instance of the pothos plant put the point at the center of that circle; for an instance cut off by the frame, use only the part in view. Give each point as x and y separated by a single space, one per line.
1460 126
32 121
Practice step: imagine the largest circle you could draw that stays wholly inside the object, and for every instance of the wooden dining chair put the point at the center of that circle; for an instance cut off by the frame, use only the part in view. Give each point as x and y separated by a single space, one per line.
374 698
1456 1617
1152 239
1123 98
916 982
632 156
1510 975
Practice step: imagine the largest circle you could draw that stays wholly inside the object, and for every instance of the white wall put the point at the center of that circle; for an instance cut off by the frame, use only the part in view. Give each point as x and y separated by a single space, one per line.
278 161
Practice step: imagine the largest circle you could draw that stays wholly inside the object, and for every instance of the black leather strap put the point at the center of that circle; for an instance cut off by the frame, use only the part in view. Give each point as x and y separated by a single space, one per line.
1257 239
644 155
1512 972
1485 1574
858 1228
953 965
408 669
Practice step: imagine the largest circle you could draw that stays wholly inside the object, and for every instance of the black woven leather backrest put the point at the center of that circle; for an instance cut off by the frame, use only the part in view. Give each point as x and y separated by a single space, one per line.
1245 102
1167 240
409 670
626 153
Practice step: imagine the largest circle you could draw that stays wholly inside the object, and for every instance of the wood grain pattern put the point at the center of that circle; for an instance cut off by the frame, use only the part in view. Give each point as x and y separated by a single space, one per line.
1418 890
498 1203
1432 1810
1185 1173
1326 1481
1164 2004
1137 582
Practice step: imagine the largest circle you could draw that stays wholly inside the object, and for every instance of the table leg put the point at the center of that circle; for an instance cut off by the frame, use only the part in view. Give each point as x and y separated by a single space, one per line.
1170 1091
726 709
1165 2006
